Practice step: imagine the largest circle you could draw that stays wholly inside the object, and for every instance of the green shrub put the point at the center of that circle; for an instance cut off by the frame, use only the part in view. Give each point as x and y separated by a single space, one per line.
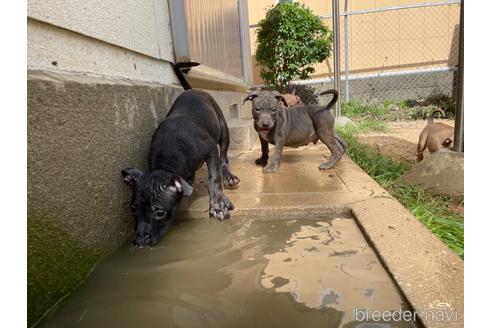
290 39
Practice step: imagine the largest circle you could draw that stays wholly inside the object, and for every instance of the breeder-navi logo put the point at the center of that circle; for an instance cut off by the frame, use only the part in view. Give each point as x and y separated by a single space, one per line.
404 315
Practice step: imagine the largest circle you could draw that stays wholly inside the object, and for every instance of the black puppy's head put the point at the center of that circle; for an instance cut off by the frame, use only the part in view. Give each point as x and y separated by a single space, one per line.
265 108
155 196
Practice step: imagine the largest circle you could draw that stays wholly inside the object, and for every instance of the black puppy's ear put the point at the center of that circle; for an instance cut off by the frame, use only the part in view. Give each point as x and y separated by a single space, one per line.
251 96
131 176
182 186
279 97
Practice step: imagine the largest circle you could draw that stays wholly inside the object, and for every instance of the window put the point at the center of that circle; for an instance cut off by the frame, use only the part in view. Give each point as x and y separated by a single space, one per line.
208 32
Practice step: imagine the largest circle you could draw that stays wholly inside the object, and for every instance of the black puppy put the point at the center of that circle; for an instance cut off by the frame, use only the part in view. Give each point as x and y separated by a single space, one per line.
188 137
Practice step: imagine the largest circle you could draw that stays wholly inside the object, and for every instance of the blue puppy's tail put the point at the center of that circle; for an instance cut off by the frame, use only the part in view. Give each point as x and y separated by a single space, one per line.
186 66
333 100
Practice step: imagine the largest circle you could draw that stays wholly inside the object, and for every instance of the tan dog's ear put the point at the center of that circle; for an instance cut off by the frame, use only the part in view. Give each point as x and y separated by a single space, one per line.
447 142
279 97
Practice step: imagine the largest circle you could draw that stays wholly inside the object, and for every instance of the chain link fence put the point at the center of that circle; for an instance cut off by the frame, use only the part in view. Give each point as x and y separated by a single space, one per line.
392 54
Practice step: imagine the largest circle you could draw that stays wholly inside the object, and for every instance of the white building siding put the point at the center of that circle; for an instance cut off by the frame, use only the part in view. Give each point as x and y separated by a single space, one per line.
129 39
138 25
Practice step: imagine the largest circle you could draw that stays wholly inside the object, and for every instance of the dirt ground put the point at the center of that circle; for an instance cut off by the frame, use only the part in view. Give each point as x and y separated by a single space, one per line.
400 140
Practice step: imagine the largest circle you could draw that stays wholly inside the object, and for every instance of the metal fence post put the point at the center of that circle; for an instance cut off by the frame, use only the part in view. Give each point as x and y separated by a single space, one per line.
336 51
345 51
459 145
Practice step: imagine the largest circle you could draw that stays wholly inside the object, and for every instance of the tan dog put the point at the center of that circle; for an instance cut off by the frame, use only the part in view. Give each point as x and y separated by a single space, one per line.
292 100
434 136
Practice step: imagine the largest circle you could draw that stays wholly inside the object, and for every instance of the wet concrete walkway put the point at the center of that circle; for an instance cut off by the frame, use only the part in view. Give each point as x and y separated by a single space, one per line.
429 275
298 183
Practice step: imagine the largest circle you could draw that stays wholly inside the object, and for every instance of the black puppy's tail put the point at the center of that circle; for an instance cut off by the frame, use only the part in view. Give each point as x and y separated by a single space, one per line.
333 100
179 74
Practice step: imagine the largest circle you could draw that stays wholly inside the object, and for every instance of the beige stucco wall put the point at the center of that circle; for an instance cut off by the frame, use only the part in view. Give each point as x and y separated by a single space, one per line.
392 40
128 39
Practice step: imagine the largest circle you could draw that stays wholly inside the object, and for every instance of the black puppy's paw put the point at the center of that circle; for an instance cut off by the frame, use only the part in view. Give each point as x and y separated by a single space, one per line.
272 167
261 161
220 207
230 180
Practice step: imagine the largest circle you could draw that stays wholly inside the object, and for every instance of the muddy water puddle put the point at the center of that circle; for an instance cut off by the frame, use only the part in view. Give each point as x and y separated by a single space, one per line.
310 272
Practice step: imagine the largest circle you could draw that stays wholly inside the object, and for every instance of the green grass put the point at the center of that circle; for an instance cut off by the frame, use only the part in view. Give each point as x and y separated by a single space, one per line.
372 125
390 110
359 111
431 209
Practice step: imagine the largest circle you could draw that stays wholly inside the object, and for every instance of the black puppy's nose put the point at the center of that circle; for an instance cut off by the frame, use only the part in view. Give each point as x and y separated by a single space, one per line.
265 125
142 240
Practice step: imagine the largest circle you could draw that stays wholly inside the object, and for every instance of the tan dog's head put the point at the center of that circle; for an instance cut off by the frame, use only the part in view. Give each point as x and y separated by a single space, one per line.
447 143
292 100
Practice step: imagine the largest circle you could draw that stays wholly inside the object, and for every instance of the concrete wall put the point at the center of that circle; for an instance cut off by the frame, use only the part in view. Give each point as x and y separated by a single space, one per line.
99 83
412 86
81 133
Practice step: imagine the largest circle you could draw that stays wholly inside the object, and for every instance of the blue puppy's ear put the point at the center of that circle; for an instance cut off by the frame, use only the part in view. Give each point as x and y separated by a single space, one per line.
279 97
182 186
251 96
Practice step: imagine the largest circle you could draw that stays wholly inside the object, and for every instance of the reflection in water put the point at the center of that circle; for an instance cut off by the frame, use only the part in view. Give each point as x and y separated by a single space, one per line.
238 273
328 264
